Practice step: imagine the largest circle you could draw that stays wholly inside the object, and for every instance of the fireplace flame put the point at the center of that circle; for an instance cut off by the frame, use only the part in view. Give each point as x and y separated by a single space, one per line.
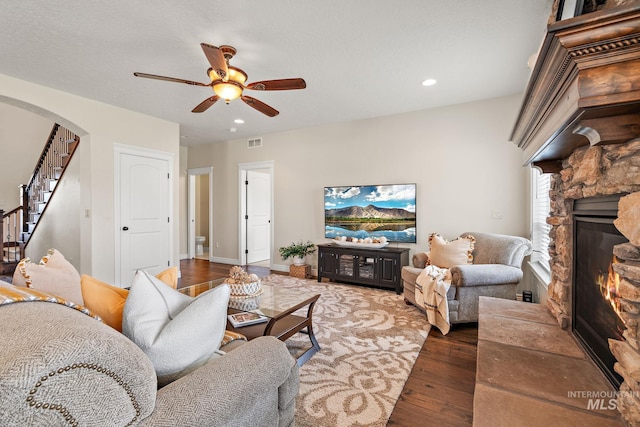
609 287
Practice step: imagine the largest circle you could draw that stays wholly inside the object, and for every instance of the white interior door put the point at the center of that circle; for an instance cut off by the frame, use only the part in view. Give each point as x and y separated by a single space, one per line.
144 215
191 239
258 216
193 197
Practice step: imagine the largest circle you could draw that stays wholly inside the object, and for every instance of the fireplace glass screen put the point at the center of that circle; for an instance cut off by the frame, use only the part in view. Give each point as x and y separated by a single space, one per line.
595 300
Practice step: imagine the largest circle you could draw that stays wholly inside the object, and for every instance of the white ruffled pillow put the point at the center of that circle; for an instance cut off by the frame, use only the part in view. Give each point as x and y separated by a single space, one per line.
177 332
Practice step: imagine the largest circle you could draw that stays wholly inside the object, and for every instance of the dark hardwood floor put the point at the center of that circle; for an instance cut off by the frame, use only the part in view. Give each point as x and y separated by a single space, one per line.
439 390
194 271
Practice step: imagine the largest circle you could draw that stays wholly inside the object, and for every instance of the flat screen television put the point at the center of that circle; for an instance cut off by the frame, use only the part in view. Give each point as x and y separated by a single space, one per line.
371 211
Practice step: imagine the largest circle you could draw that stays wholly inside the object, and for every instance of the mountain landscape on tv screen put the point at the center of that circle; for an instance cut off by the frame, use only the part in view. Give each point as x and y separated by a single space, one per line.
372 211
369 212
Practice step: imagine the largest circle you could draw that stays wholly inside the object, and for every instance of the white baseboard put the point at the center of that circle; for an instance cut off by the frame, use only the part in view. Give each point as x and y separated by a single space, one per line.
230 261
280 267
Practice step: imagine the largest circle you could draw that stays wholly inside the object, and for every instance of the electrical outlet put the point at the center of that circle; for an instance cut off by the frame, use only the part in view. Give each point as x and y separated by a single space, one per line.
495 214
217 244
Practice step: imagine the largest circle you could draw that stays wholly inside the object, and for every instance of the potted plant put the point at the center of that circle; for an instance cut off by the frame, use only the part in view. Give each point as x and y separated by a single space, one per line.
297 251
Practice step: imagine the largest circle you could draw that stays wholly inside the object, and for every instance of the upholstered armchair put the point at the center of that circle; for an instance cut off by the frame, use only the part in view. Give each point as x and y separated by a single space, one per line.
496 271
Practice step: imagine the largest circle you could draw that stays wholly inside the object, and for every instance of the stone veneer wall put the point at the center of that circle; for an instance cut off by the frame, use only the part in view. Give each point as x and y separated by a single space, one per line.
591 172
627 352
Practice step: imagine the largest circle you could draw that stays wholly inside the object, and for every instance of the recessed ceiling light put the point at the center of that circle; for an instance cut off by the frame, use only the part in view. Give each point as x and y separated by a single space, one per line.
239 121
429 82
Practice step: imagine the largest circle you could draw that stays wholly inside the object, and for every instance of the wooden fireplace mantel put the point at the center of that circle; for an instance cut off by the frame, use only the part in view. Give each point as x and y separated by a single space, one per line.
584 88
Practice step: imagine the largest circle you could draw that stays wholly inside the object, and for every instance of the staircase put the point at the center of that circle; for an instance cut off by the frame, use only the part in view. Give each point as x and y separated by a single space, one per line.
19 224
10 236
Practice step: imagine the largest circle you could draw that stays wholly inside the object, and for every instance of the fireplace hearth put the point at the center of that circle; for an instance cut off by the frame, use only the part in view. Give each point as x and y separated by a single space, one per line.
596 314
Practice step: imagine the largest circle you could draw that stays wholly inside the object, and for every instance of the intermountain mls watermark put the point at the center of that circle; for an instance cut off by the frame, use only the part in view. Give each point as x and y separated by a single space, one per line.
601 400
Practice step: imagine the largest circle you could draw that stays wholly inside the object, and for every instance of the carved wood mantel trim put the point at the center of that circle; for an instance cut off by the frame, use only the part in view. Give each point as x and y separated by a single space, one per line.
584 88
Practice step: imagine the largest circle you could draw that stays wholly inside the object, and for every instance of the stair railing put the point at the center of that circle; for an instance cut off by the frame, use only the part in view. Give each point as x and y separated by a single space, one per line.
10 235
55 156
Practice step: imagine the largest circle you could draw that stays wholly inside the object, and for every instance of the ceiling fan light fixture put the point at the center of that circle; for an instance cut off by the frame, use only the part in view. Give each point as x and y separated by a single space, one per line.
230 87
213 75
229 82
228 90
237 75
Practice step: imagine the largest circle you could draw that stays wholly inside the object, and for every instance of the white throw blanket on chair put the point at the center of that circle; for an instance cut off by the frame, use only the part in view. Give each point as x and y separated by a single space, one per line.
432 285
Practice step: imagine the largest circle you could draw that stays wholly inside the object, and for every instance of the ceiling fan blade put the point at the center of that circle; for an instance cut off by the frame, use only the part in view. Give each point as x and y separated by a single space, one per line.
260 106
170 79
204 105
215 56
280 84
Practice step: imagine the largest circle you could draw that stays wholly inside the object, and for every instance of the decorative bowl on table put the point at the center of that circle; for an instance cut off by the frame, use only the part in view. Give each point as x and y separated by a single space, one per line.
243 285
373 243
245 303
245 290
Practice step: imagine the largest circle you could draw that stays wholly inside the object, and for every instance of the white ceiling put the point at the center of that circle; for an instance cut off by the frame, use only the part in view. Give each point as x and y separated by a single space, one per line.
360 58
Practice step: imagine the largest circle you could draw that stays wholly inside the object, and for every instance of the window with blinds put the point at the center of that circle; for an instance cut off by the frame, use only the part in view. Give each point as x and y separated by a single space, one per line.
540 211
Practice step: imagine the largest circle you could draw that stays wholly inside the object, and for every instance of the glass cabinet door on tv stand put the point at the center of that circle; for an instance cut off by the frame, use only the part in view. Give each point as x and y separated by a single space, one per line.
356 266
372 267
367 267
346 265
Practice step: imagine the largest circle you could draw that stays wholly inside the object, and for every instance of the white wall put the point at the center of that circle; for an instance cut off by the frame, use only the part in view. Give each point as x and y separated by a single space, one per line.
184 203
60 227
22 137
100 126
459 156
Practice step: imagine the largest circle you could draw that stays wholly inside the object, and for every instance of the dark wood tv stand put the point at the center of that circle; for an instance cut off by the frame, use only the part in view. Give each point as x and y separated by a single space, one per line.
366 266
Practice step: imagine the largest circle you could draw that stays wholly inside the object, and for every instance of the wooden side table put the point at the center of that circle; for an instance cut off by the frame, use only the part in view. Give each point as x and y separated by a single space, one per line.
300 271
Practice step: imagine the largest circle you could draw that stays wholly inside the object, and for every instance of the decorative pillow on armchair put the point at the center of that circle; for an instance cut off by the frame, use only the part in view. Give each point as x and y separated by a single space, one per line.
54 275
446 254
177 332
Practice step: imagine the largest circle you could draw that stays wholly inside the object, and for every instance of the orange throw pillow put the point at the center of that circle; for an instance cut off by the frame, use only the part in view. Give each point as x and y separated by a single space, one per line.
107 301
169 276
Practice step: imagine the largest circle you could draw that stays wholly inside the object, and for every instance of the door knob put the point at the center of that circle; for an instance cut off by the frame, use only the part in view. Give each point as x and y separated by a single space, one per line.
125 228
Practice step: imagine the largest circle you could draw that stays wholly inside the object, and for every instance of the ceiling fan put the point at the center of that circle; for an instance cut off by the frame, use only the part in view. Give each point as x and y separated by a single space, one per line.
228 82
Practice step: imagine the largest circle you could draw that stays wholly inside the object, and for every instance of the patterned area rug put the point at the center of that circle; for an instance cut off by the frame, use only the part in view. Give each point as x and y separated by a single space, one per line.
369 341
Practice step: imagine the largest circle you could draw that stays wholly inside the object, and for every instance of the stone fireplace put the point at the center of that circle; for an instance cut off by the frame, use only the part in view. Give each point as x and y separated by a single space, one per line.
596 304
589 177
580 121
